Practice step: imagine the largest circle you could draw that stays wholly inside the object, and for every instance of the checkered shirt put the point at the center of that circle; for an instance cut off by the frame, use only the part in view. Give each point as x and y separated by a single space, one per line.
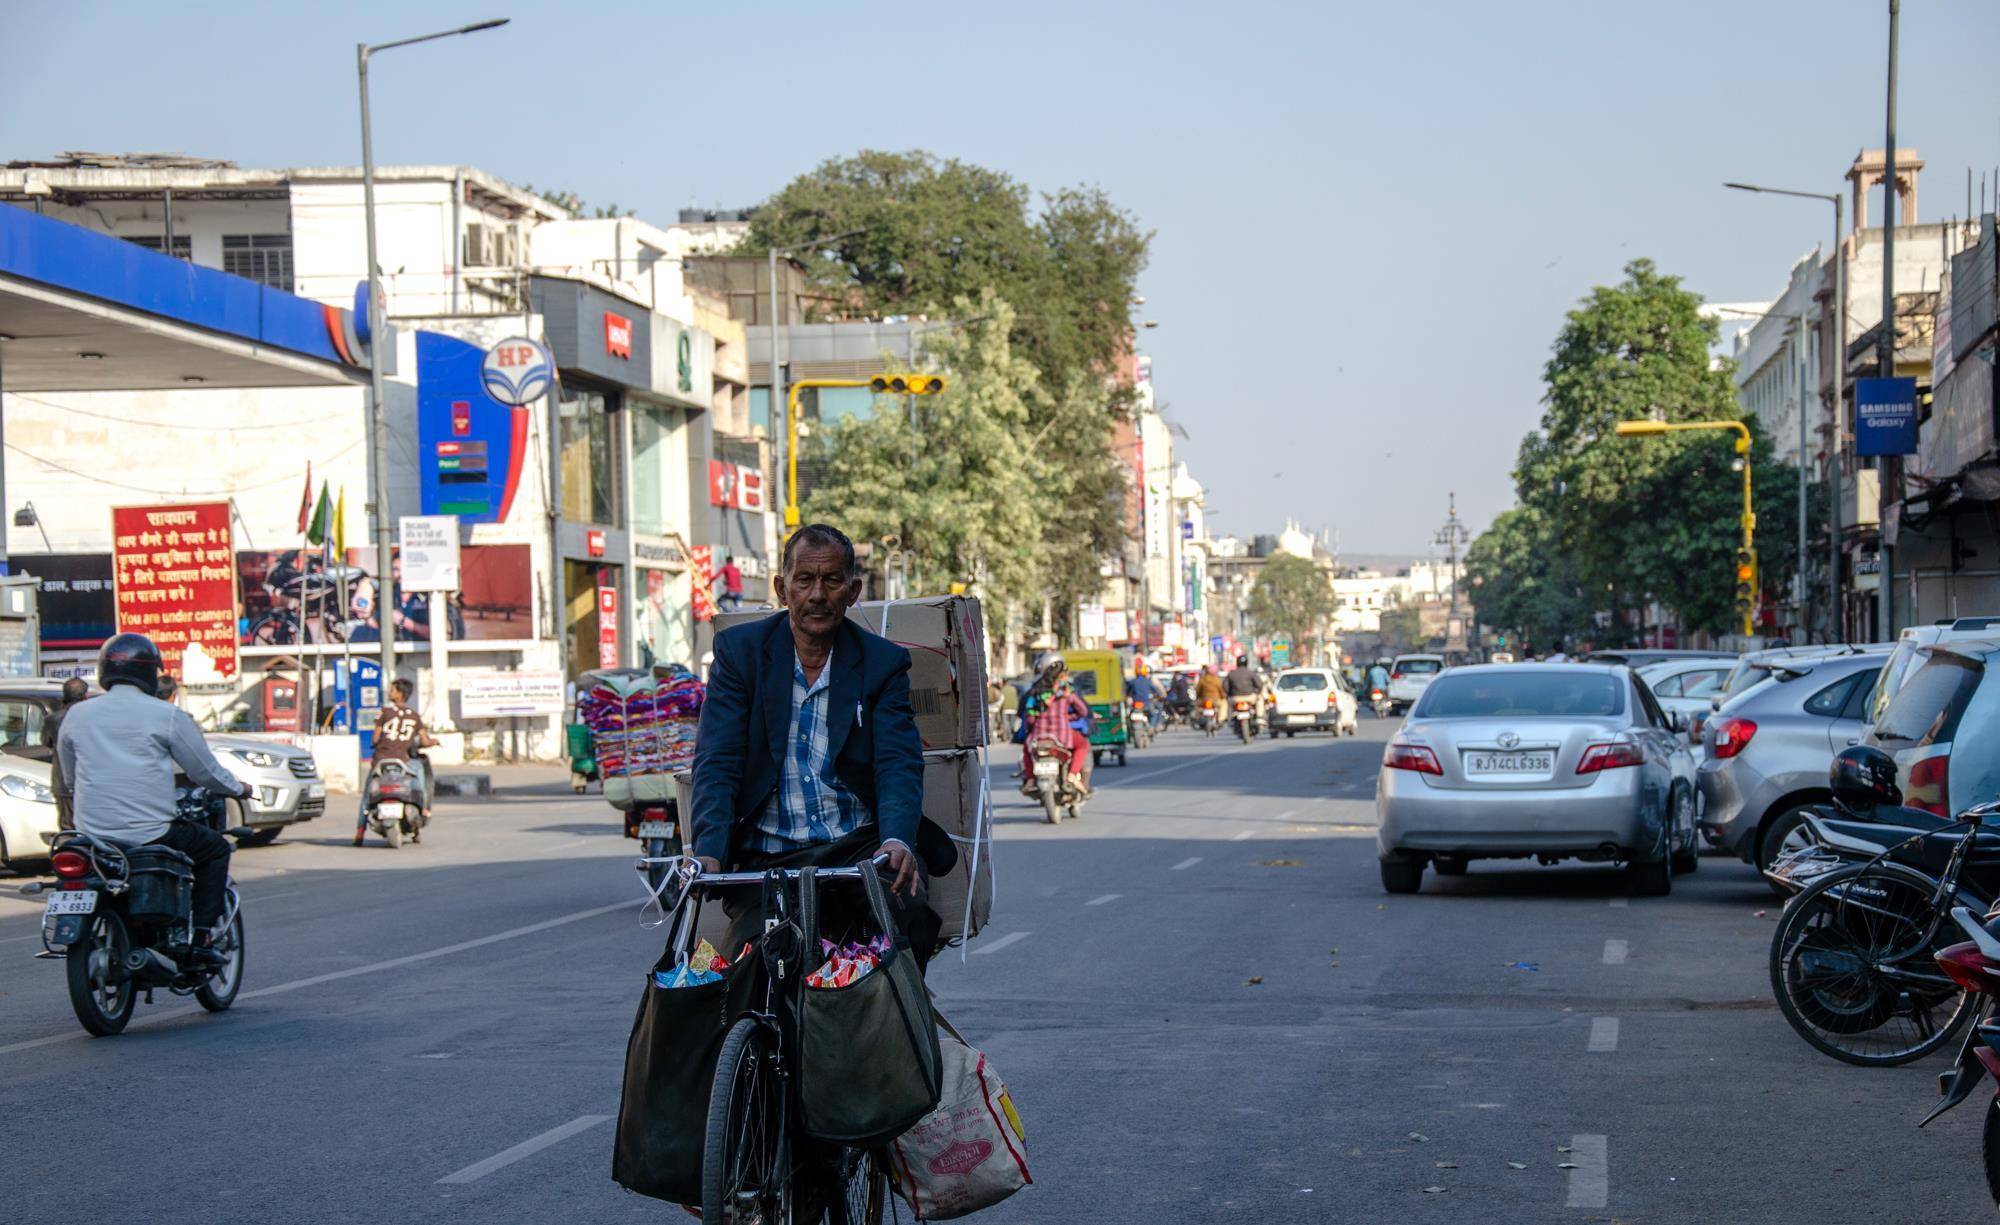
810 807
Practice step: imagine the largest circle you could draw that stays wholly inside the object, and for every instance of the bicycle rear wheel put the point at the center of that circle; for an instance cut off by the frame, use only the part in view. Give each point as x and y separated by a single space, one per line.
743 1181
1853 972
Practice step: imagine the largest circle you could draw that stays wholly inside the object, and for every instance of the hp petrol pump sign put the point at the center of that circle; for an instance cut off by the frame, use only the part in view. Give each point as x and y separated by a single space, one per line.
517 371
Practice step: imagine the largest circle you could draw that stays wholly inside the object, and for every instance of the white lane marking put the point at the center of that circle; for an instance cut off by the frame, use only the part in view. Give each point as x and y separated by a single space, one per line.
272 897
1590 1181
1603 1034
1002 942
526 1148
1185 864
1246 834
1287 815
315 980
1099 901
1615 952
1199 761
1619 903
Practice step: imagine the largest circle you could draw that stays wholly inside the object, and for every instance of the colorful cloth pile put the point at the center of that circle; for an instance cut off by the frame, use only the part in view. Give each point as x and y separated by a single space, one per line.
704 965
848 962
642 724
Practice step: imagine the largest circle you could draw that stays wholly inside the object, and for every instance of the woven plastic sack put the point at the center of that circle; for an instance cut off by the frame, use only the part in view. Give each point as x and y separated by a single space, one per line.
969 1153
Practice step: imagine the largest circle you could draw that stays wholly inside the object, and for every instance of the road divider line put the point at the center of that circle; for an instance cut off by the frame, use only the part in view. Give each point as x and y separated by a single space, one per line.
351 972
1615 952
1590 1181
1246 834
1185 864
1198 761
1099 901
1288 814
526 1148
1002 942
1603 1034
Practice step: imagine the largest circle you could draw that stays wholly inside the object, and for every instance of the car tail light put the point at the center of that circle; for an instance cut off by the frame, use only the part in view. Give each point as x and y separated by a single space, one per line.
1411 757
1966 967
1695 725
1733 735
1929 787
1610 757
1332 700
70 865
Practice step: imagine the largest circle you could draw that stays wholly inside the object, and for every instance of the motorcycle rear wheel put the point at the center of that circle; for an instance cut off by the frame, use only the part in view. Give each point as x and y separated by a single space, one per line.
1989 1149
393 831
1050 808
219 992
103 1007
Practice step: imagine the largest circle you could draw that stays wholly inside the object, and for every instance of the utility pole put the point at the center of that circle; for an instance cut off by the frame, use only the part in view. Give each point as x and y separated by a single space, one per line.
1451 535
1886 465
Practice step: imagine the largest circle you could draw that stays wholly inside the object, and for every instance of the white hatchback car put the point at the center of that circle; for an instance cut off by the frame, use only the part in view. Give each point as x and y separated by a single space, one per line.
27 813
1307 698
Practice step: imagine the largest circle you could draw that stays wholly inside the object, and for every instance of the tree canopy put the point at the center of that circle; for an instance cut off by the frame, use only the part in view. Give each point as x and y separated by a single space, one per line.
1292 596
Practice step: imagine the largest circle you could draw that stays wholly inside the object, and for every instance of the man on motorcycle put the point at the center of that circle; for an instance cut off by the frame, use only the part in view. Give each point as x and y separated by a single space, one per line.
1209 688
119 752
1054 709
400 735
1180 699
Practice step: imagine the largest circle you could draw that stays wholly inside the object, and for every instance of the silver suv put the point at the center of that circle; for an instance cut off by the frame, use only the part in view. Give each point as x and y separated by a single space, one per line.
1953 697
1769 747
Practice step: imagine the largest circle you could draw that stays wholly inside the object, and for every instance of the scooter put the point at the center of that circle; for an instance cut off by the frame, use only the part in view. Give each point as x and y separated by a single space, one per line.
1050 782
1208 719
1378 702
392 802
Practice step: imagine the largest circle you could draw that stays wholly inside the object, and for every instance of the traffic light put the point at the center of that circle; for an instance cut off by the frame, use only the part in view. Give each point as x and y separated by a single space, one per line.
1746 587
906 384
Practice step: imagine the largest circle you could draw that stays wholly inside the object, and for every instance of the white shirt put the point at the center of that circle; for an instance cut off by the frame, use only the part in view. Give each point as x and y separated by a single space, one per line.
119 753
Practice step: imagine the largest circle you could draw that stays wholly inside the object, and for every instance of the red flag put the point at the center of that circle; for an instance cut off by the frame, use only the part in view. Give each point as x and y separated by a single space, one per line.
306 499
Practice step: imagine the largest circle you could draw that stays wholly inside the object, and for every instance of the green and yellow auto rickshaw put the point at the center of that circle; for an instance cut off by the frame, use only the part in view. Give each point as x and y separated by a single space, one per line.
1099 679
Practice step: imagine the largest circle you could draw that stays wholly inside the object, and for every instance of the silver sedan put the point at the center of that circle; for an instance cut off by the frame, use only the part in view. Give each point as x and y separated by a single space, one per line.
1543 761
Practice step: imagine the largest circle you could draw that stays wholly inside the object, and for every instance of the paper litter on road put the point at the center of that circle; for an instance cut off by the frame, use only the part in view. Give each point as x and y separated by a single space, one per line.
1254 980
1529 966
1433 1190
1517 1165
1418 1136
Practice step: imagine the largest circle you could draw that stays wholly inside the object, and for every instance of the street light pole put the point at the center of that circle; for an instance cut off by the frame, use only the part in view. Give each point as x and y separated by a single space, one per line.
1885 465
378 340
1835 627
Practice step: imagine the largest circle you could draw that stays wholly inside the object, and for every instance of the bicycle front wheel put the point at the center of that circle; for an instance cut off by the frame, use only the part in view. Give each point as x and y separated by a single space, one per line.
1853 973
864 1189
743 1179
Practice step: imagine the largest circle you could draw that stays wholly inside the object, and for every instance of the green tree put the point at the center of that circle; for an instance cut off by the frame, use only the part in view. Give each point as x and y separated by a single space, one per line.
1292 596
965 512
912 233
1521 582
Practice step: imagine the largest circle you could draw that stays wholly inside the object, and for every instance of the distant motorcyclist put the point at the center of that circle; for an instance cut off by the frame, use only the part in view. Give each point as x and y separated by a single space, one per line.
119 753
1210 687
1243 680
1053 709
1180 698
400 735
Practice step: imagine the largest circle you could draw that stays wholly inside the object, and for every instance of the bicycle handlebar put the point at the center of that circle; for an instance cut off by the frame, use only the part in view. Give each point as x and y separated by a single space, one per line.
727 880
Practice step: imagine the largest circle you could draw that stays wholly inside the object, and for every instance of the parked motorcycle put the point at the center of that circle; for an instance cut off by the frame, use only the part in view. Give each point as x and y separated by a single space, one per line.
1050 783
1975 966
1243 711
392 802
121 921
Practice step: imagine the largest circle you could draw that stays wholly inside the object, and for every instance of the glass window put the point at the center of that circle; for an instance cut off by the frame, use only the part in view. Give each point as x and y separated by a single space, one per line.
659 469
589 487
760 407
1928 707
1705 683
20 724
1520 694
263 258
1417 667
1858 701
1670 687
1292 681
1828 701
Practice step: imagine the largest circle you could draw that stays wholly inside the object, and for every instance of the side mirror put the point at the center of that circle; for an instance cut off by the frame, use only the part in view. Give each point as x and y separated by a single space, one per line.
1677 721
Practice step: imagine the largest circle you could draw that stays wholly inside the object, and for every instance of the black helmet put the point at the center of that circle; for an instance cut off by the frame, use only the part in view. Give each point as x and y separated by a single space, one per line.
130 659
1862 779
1242 661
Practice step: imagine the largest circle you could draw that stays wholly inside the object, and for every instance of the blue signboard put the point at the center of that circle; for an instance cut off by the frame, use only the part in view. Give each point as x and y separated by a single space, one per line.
1885 416
1215 645
470 445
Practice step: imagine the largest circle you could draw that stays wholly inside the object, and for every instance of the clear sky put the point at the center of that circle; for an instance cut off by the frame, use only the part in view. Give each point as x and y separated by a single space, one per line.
1370 218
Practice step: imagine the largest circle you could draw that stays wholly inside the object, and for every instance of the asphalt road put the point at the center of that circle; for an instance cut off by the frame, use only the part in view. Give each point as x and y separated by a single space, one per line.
1203 1002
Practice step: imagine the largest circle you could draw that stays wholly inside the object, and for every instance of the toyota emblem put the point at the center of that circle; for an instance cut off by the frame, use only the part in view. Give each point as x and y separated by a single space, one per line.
1509 740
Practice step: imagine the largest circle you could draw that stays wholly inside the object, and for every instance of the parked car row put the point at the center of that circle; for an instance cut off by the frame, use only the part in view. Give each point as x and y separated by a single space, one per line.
288 785
1637 757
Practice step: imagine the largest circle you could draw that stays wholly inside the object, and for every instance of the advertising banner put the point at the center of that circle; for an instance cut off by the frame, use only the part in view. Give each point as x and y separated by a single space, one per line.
488 693
428 545
701 560
735 486
607 627
173 574
1886 416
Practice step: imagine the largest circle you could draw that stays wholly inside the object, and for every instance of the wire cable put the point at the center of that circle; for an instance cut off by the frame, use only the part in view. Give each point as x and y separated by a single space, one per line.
175 493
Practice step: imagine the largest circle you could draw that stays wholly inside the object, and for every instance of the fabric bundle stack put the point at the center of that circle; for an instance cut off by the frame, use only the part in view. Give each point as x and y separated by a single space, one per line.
642 724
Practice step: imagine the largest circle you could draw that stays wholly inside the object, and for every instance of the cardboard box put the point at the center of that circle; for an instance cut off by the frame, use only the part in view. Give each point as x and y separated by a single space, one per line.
946 637
956 799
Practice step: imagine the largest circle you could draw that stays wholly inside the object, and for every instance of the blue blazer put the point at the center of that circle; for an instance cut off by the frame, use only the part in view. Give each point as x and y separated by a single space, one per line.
872 744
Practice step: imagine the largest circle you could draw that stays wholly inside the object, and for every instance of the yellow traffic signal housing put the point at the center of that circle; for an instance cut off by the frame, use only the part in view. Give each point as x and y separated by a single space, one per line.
906 384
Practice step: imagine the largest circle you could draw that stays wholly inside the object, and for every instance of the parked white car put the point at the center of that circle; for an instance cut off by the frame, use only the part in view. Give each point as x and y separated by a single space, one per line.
1308 698
27 813
1686 685
1408 677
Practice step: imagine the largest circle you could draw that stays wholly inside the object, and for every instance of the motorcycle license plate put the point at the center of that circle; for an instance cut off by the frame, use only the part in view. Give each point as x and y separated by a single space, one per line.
1045 769
72 901
656 829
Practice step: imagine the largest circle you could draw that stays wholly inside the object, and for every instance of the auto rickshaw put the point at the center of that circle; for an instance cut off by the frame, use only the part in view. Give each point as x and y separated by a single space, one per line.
1099 679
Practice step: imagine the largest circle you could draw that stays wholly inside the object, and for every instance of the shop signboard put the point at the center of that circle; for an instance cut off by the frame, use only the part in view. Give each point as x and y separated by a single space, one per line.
618 335
1886 416
1090 622
173 573
472 424
429 546
607 627
735 486
490 693
1117 628
517 371
701 560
